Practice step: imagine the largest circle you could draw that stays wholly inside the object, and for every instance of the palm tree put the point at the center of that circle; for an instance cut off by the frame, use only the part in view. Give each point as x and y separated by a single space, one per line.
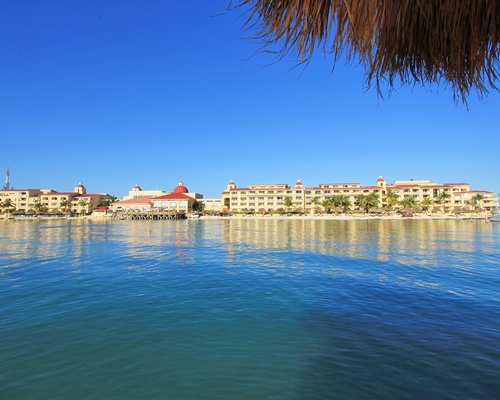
288 203
409 203
110 200
65 205
38 207
7 204
83 204
315 201
441 199
360 201
342 201
426 203
392 199
478 200
327 204
369 201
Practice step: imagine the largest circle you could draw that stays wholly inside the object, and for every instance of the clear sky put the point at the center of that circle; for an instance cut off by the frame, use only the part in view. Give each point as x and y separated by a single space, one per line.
114 93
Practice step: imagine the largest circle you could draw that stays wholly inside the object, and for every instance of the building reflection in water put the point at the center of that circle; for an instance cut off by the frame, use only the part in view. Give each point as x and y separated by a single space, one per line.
404 241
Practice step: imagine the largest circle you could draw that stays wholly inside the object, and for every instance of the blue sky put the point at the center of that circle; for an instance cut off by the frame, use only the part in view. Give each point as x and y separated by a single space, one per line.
121 92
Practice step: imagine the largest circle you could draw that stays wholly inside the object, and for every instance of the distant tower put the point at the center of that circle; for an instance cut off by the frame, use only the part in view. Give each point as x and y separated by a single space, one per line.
381 183
7 180
231 185
80 189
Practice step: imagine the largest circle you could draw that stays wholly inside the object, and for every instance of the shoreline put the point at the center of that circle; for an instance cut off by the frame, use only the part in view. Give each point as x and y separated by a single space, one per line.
436 217
352 217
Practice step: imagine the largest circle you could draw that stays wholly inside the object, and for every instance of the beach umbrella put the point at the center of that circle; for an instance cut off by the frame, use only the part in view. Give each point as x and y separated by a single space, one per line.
454 42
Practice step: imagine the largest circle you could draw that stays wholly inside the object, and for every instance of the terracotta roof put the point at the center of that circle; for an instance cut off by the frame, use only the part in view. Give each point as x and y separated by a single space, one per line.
20 190
174 196
59 194
89 195
138 200
341 183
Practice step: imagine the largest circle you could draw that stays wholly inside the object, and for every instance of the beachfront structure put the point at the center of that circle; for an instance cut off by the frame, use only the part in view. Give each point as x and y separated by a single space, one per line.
179 200
447 195
137 192
39 201
211 205
281 196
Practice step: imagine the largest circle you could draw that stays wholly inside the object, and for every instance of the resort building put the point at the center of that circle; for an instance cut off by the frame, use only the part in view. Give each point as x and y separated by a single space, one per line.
281 196
211 205
49 201
448 195
137 192
179 200
139 204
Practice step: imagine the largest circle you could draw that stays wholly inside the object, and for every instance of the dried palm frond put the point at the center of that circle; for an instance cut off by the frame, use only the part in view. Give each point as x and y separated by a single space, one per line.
411 41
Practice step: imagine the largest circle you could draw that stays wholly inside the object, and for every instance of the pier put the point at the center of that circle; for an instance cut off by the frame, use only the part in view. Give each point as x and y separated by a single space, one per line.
147 215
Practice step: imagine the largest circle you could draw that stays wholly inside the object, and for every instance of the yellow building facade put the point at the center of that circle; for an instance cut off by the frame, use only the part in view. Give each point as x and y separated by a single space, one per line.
300 198
49 201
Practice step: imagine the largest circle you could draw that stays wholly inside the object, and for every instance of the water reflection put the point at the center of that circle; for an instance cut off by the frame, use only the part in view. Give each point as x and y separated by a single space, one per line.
413 242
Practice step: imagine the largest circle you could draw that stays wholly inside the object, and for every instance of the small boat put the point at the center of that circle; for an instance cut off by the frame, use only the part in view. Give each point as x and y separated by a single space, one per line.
193 216
495 215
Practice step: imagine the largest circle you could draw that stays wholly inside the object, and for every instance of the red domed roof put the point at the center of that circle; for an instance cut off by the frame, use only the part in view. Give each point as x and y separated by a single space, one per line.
137 187
380 179
180 188
299 183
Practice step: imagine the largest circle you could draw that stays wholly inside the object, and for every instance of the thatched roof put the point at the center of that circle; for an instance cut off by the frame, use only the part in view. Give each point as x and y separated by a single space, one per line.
398 41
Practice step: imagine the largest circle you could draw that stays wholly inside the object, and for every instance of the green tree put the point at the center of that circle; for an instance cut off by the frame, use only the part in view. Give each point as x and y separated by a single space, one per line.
83 204
409 202
359 201
344 202
392 199
477 199
316 202
288 203
367 201
65 205
341 201
7 205
442 197
38 207
327 204
426 203
107 202
198 206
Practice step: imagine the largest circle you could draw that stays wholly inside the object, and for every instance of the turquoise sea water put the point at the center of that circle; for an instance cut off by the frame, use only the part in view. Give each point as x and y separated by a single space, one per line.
250 309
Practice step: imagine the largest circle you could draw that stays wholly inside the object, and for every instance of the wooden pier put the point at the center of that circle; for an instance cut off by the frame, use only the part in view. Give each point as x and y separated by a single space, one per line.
147 215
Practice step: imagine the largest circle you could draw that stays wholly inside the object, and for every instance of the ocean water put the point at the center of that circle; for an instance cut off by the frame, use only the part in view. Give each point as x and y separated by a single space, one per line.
249 309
